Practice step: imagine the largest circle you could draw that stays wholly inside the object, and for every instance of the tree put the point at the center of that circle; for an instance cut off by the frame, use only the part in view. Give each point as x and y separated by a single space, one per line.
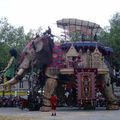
11 36
111 37
75 36
4 55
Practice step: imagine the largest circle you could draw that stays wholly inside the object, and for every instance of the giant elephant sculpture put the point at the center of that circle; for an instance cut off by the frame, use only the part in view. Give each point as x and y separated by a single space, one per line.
38 54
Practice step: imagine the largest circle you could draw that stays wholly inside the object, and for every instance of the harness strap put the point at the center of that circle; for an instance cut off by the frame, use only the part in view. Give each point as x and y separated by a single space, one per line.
33 45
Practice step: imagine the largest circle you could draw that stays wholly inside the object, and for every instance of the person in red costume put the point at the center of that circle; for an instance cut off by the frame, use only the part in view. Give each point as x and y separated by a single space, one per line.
53 101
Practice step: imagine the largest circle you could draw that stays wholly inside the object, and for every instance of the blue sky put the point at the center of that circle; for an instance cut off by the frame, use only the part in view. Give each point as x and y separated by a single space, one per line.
35 13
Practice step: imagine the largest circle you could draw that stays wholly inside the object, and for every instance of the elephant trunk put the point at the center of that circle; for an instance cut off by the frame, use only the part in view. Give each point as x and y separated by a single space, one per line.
14 80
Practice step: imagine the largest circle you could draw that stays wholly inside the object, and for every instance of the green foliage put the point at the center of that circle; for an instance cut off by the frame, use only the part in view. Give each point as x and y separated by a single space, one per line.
75 36
111 37
105 37
11 36
4 55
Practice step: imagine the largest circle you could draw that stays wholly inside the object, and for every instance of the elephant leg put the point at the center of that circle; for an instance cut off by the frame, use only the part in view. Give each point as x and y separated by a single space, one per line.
50 86
110 97
112 101
109 93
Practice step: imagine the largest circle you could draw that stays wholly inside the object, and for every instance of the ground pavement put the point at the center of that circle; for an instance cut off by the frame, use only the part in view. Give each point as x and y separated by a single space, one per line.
62 114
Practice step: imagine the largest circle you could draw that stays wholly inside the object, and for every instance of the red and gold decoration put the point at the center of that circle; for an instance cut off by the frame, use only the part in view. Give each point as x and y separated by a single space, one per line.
86 83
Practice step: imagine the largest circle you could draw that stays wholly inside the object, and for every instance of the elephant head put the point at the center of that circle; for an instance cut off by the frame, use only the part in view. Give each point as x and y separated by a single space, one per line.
37 53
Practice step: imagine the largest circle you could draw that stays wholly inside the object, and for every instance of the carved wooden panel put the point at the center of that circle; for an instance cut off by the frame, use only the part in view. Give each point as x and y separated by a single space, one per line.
86 83
97 59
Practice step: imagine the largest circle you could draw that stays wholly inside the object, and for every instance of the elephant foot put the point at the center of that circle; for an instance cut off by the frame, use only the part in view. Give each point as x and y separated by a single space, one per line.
45 109
113 107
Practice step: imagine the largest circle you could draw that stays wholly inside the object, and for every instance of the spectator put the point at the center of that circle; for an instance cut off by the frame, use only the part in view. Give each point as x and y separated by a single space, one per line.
53 101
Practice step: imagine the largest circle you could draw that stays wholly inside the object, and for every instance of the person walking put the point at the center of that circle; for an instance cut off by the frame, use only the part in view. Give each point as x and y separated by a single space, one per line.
53 101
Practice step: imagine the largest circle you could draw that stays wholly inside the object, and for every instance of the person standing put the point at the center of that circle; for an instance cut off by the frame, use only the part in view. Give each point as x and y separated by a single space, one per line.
9 70
53 101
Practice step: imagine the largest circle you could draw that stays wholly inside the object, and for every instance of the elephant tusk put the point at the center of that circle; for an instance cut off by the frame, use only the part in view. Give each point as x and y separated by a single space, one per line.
10 82
14 80
20 72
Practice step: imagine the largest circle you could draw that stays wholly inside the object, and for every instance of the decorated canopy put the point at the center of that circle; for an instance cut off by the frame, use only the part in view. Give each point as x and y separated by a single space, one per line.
91 45
73 25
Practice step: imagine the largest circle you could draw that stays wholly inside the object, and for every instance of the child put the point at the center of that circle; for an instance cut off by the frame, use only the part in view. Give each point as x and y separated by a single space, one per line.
53 101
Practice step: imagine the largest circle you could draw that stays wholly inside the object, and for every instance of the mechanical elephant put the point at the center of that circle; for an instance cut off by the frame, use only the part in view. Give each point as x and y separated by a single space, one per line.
38 54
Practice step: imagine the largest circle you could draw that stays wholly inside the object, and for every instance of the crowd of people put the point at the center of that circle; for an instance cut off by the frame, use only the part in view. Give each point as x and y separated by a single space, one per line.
11 101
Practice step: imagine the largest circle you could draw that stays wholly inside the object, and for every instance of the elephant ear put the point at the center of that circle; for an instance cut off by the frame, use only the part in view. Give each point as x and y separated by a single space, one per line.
38 44
44 56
